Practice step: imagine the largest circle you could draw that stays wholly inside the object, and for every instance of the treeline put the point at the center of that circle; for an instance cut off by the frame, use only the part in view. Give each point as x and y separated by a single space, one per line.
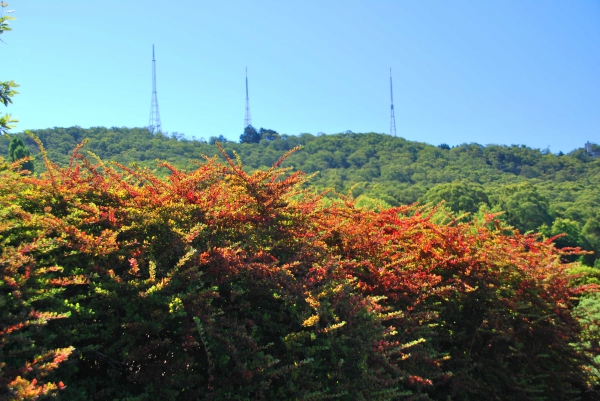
538 190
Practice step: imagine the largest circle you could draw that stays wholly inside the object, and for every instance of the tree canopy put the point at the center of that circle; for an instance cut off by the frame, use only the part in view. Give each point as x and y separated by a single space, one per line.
250 135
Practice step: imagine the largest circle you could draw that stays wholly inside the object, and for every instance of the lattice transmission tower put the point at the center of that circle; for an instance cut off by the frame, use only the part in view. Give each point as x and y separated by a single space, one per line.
392 117
154 126
247 120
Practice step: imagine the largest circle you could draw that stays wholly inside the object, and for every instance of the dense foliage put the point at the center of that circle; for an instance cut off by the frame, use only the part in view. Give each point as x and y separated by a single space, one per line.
538 190
230 282
220 284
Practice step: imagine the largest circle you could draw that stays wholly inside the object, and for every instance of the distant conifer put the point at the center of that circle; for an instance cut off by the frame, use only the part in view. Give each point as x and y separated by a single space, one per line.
250 135
17 151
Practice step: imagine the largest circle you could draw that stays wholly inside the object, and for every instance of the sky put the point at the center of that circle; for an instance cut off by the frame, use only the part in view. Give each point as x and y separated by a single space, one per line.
491 72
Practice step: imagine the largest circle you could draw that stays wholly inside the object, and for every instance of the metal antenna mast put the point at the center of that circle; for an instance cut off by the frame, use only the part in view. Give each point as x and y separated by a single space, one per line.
154 126
392 117
247 120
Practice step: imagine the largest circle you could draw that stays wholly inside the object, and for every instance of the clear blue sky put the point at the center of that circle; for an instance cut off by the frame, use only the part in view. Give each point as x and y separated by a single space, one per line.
507 72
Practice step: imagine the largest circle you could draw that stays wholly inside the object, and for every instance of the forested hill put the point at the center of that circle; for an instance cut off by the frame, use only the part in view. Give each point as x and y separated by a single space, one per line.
538 190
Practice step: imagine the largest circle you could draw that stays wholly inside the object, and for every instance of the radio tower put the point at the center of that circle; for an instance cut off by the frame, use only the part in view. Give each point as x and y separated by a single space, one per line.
247 120
392 117
154 125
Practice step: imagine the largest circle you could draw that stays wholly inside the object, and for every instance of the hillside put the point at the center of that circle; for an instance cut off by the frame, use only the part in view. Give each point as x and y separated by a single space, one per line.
538 190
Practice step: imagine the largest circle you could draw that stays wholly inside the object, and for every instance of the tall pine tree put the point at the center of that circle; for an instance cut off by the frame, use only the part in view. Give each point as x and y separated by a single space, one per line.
17 150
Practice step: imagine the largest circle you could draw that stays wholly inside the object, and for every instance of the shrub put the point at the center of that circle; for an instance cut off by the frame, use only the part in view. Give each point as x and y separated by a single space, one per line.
225 285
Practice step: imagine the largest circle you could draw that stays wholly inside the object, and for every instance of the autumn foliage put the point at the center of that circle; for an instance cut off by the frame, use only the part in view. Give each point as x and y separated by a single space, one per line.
219 284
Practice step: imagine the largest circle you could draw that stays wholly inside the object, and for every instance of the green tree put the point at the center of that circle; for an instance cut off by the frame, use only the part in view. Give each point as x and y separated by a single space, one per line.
268 134
569 229
214 139
525 207
7 90
570 236
17 150
250 135
458 196
591 233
